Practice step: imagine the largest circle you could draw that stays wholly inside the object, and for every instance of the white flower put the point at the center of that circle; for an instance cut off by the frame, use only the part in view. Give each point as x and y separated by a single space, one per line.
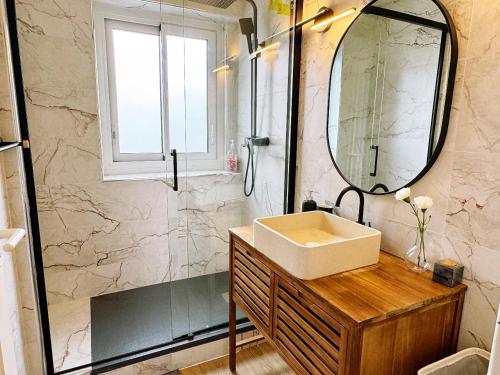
403 195
424 203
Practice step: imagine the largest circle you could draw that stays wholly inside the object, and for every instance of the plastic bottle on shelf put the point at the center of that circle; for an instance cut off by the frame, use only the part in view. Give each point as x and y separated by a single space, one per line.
232 158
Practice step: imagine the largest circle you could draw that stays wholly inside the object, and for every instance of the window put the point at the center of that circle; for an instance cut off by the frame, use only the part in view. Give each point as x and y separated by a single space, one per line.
135 91
157 92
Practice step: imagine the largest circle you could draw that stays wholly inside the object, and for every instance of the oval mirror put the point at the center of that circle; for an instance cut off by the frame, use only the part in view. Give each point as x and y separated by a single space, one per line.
391 87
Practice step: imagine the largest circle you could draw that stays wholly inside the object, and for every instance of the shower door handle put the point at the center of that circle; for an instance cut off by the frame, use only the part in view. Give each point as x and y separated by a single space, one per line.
374 173
175 185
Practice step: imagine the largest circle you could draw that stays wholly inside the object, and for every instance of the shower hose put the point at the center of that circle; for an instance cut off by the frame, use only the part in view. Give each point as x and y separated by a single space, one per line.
249 146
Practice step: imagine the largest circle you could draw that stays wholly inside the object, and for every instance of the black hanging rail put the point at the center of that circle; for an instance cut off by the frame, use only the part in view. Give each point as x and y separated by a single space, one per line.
4 146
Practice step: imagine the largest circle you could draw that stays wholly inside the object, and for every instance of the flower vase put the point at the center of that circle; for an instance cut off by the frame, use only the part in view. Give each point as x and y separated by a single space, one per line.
417 256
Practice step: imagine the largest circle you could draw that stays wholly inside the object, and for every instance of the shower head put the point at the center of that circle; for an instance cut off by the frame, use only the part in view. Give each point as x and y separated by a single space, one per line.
223 4
247 28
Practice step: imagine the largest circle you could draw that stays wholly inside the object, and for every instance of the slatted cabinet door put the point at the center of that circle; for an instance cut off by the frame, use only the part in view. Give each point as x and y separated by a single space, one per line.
252 287
307 334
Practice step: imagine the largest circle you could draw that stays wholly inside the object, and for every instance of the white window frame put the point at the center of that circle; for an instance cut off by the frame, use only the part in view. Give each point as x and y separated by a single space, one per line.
113 163
118 156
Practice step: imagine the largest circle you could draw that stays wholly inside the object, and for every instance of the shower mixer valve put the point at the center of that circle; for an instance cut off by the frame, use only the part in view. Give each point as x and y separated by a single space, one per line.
257 141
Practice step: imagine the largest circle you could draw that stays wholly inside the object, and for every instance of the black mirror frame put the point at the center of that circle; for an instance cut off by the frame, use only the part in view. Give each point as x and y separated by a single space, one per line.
450 85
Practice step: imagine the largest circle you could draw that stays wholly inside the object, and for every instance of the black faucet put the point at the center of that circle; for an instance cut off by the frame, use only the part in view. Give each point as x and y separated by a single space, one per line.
361 201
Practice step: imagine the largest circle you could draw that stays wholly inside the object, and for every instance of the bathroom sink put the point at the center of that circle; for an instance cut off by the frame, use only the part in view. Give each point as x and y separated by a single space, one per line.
315 244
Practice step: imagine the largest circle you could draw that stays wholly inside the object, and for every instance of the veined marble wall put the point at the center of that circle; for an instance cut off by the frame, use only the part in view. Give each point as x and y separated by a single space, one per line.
466 178
100 237
21 310
272 100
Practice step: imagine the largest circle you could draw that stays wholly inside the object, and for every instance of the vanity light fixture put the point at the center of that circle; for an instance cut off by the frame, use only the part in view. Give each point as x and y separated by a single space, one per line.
224 64
323 19
264 48
221 68
323 23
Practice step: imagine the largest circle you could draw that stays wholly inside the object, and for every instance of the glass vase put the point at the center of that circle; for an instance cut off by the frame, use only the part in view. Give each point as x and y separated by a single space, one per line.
417 256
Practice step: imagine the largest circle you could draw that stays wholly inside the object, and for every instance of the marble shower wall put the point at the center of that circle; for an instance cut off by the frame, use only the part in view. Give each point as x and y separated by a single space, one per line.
100 237
272 100
12 215
464 182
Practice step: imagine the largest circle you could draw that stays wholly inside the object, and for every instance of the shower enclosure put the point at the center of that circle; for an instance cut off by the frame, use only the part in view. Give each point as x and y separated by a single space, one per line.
134 200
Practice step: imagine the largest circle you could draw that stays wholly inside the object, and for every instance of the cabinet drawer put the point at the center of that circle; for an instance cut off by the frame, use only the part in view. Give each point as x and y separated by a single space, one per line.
252 286
308 334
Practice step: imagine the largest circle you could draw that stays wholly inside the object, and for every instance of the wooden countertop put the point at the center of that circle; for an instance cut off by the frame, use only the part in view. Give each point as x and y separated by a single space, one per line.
372 293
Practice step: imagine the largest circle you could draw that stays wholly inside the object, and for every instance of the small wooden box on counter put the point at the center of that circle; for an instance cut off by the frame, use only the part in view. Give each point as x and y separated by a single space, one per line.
448 272
378 320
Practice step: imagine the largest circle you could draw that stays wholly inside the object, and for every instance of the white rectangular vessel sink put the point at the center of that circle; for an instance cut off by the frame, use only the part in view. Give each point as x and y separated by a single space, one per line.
315 244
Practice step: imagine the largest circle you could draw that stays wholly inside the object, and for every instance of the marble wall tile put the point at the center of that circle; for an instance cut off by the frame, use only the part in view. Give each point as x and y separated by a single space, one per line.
63 112
56 44
461 12
25 331
480 131
484 40
69 19
482 298
70 333
81 248
475 199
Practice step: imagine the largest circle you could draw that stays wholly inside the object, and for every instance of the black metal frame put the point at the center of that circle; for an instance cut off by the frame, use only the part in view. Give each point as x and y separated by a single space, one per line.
447 29
32 212
295 50
437 91
119 361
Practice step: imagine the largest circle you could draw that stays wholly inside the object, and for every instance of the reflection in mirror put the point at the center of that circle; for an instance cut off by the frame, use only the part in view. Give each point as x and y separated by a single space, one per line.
390 92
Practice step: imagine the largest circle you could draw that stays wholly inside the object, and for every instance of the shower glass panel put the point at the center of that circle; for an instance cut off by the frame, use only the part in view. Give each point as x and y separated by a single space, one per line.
187 88
199 290
176 95
132 265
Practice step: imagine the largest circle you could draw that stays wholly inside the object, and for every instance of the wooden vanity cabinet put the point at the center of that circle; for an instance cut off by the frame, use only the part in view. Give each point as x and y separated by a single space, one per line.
382 319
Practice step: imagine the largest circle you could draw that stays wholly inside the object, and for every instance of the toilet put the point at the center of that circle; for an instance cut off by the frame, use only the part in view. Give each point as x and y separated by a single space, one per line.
471 361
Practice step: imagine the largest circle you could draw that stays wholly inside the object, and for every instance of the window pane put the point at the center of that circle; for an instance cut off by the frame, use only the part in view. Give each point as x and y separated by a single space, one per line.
187 111
137 72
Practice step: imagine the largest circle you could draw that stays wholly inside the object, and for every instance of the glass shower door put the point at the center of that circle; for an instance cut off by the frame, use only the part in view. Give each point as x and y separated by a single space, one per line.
174 138
208 199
